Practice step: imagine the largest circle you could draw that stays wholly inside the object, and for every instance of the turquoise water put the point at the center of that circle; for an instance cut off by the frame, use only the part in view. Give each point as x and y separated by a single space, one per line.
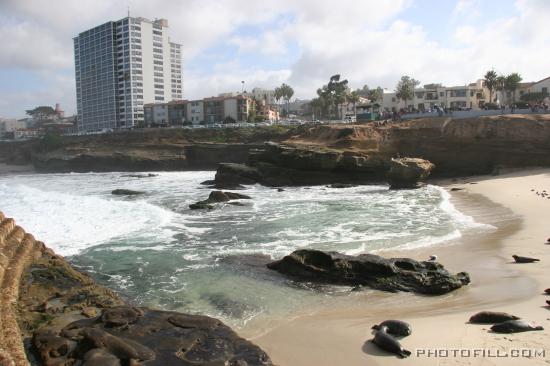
157 252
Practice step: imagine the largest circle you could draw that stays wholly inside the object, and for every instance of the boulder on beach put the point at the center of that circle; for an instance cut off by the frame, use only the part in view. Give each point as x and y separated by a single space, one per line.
128 335
393 274
408 172
217 197
126 192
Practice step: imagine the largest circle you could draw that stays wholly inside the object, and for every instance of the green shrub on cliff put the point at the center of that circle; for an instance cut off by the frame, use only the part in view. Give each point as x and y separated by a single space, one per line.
51 141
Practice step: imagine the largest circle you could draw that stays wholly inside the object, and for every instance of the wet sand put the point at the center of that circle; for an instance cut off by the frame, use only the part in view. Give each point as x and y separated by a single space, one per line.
337 333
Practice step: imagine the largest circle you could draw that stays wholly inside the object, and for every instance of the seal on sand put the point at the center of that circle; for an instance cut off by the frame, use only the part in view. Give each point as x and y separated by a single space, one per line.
491 317
395 327
519 259
514 326
388 343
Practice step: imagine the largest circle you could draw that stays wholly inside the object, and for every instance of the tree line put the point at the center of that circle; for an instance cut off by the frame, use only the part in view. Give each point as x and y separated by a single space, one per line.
333 95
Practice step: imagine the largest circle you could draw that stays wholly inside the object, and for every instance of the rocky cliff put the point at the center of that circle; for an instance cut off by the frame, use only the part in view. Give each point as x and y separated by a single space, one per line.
456 146
138 150
51 314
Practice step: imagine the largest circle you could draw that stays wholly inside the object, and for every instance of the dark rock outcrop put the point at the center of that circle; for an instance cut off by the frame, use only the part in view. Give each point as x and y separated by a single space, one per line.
341 185
284 165
150 175
126 192
127 336
408 172
217 197
231 174
394 274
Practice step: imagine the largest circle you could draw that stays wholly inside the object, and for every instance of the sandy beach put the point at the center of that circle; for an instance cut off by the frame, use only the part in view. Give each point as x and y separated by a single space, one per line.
338 335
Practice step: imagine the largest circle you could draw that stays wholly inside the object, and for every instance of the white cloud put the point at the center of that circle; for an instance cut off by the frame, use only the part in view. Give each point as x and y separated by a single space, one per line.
466 8
364 40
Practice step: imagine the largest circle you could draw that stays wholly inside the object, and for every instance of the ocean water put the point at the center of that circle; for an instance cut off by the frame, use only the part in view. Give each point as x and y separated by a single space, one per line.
156 252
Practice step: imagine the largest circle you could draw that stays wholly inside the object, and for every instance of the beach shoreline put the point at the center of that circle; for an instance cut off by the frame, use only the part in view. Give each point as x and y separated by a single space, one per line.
339 335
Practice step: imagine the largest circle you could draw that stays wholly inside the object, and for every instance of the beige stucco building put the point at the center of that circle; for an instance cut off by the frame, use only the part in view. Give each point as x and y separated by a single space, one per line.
471 96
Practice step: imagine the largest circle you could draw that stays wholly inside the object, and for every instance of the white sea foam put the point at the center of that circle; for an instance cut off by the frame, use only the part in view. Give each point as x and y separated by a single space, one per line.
70 223
74 212
464 220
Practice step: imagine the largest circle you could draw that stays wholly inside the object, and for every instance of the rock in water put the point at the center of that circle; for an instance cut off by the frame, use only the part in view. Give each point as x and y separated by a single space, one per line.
218 197
547 291
126 192
520 259
408 172
514 326
394 274
395 327
341 185
491 317
231 174
126 335
389 343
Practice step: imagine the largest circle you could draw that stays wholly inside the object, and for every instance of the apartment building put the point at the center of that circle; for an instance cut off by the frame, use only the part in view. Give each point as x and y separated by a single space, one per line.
539 89
206 111
472 96
261 94
122 65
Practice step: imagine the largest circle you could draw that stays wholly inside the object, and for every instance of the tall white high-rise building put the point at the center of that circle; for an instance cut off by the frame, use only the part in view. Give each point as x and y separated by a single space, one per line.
122 65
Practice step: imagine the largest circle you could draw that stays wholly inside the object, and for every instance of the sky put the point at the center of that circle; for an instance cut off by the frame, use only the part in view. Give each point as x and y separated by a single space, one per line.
269 42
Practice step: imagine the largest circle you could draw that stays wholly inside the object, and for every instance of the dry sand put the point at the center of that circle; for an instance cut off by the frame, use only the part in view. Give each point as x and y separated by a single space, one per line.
338 335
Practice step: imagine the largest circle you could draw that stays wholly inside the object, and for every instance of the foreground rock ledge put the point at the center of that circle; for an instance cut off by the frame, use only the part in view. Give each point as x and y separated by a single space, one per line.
140 336
393 274
71 320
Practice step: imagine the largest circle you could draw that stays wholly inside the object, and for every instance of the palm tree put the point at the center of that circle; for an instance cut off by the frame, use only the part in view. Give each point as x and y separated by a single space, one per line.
512 83
354 97
501 86
490 81
405 89
375 94
288 92
278 95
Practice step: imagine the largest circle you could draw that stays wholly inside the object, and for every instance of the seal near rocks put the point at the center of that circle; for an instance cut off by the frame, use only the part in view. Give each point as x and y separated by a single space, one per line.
388 343
514 326
491 317
520 259
395 327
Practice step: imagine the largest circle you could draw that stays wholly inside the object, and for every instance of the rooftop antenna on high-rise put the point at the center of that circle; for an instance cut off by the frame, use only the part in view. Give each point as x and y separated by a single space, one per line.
128 10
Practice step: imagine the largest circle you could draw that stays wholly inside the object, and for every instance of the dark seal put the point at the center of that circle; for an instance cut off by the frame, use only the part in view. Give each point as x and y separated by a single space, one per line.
388 343
520 259
514 326
395 327
491 317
